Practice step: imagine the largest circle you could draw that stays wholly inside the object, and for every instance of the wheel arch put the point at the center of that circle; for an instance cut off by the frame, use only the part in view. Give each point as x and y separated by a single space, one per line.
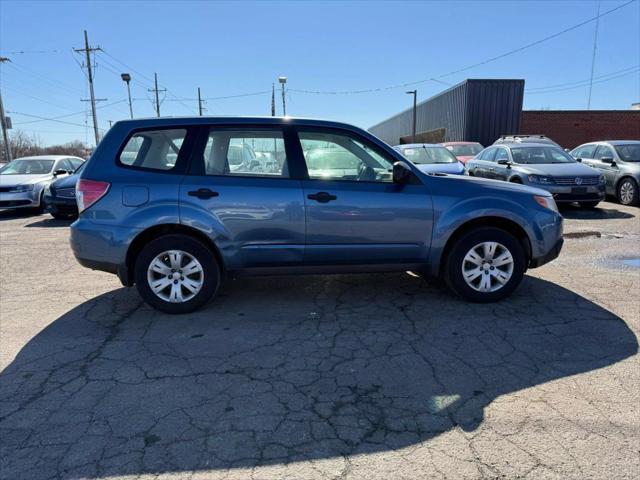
502 223
156 231
623 178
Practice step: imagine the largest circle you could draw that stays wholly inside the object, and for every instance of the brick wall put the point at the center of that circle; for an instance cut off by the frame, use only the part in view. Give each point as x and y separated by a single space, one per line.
571 128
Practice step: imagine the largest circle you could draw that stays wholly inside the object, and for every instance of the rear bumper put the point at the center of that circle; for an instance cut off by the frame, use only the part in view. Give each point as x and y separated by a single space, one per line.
102 247
549 256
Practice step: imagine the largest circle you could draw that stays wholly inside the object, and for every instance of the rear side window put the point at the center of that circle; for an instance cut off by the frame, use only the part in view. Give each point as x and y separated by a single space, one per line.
252 153
487 154
153 149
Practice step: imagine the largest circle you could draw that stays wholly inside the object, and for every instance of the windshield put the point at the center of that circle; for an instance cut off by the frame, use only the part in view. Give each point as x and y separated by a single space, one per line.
541 154
427 155
470 150
27 167
629 152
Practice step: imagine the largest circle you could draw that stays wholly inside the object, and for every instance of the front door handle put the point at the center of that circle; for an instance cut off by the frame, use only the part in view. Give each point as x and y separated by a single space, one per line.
321 197
203 193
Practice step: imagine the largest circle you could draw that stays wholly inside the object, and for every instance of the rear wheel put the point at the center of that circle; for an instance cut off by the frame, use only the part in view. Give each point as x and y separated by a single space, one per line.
176 274
628 192
485 265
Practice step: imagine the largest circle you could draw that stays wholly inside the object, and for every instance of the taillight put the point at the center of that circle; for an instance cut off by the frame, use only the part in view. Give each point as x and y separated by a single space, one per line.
89 192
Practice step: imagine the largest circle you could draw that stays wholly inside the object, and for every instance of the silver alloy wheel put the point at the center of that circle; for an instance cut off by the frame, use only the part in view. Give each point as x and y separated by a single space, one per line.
626 192
175 276
487 267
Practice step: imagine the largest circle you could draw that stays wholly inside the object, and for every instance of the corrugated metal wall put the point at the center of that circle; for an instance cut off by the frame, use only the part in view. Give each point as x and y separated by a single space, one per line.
474 110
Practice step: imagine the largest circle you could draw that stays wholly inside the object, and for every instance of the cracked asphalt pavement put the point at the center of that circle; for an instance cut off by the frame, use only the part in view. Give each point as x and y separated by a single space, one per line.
322 377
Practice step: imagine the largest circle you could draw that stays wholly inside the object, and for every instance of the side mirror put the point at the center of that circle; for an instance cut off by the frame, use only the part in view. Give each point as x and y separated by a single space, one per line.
505 162
579 160
567 150
608 160
402 174
60 171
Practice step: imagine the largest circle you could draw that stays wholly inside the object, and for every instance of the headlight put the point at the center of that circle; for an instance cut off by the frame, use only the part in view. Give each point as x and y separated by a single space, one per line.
601 178
541 179
21 188
546 202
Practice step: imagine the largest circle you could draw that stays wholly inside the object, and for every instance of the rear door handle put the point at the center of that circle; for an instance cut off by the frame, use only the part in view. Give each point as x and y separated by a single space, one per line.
321 197
203 193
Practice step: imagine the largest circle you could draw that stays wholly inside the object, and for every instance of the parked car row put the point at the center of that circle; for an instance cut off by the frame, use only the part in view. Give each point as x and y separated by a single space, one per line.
584 175
24 181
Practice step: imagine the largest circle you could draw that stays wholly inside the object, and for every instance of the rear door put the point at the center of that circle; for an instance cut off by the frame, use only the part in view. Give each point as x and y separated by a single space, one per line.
254 209
355 213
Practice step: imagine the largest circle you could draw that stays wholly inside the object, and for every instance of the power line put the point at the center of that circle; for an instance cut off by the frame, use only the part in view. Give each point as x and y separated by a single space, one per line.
627 70
81 112
586 83
49 119
87 50
474 65
593 57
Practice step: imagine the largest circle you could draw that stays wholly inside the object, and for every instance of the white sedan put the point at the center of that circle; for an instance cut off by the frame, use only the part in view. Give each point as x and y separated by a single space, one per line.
23 180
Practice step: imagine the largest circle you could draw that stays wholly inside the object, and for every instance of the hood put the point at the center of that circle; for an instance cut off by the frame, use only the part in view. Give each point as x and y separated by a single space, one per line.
488 184
10 180
558 169
454 168
66 182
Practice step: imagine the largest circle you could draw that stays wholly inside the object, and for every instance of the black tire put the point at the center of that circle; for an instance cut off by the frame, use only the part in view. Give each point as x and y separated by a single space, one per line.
452 271
64 216
40 208
589 205
630 182
195 248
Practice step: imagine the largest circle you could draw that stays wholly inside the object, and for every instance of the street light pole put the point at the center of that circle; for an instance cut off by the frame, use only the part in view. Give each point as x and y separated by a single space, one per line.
415 97
283 82
127 78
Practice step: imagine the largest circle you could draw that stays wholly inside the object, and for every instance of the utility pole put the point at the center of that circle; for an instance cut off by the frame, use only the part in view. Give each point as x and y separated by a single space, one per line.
87 50
3 120
199 102
593 57
413 129
156 91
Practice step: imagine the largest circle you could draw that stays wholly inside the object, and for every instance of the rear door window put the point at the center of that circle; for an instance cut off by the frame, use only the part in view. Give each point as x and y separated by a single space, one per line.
153 149
247 153
501 154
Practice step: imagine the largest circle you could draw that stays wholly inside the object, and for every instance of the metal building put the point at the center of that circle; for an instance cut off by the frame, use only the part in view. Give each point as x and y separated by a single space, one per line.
474 110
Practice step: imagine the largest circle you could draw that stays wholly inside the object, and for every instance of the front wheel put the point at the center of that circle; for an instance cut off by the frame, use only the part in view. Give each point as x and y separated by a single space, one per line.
628 192
176 274
485 265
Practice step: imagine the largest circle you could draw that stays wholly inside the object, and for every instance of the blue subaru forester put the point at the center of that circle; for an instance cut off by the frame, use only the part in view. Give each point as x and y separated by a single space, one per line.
174 205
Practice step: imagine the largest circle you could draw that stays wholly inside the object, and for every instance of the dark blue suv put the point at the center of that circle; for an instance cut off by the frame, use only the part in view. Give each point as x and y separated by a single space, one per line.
174 205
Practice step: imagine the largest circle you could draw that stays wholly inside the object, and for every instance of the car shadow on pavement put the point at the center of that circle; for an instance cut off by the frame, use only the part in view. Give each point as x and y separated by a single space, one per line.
50 223
279 370
13 214
576 213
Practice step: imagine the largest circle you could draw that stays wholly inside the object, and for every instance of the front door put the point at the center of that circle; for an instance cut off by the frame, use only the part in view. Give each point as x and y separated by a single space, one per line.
240 191
355 214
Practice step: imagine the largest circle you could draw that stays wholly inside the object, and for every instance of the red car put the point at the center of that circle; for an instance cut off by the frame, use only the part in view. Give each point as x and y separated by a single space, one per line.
463 151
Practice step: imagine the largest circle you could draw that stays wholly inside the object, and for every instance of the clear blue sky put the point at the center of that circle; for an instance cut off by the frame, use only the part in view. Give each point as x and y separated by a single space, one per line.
236 48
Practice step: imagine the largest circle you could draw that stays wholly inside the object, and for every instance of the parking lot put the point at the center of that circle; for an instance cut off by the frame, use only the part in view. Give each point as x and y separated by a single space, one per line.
349 376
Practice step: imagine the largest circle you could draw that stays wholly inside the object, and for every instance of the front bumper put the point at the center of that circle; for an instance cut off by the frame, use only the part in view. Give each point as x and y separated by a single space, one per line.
551 255
19 200
65 206
574 193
